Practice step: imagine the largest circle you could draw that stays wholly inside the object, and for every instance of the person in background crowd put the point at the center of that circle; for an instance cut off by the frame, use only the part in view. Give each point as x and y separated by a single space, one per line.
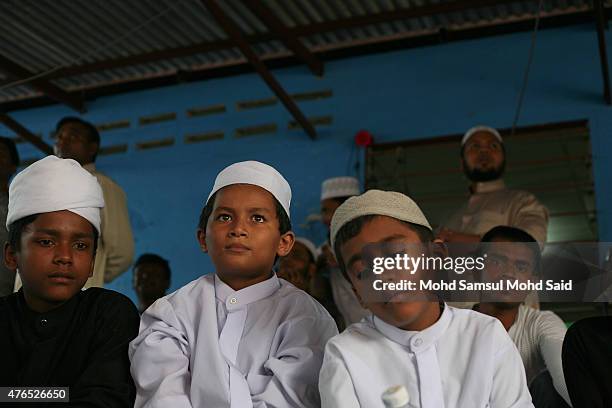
79 140
9 161
491 203
334 192
299 268
587 359
538 335
151 279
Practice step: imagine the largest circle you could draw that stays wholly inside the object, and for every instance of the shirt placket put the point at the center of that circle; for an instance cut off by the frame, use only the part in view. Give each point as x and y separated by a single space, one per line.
229 341
429 374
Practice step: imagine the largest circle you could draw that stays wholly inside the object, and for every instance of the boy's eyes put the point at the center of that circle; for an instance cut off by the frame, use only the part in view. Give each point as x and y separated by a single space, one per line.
256 218
45 242
80 245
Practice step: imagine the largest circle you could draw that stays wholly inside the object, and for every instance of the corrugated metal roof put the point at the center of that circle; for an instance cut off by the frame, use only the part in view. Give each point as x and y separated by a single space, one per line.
45 35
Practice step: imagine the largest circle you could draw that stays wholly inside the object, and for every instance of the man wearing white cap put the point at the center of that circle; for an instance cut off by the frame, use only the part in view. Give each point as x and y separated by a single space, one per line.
491 203
334 192
54 333
443 357
239 337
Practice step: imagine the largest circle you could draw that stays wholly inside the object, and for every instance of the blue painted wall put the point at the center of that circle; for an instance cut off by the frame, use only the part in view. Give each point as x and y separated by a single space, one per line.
401 95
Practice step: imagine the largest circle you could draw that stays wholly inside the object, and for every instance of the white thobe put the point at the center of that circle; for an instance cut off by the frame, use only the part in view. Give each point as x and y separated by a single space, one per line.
464 360
492 204
539 335
345 299
207 345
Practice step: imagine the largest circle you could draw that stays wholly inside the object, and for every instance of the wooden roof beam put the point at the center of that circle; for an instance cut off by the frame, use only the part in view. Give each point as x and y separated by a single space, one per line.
42 85
20 130
600 18
290 40
233 32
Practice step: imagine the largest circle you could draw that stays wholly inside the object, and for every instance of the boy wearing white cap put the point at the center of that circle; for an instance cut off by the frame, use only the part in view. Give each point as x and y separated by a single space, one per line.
444 357
239 337
335 191
53 333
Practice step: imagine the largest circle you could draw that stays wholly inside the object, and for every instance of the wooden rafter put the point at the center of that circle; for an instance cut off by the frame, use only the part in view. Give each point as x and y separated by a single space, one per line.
20 130
43 85
233 32
290 40
600 19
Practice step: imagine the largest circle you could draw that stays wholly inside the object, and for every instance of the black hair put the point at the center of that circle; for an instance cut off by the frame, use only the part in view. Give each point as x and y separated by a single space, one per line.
91 131
512 234
352 228
154 259
10 145
284 223
16 228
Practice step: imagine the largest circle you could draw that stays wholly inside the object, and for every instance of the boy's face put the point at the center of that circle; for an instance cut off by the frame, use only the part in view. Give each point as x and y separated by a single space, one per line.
242 234
72 143
150 280
297 266
508 261
382 230
55 259
328 208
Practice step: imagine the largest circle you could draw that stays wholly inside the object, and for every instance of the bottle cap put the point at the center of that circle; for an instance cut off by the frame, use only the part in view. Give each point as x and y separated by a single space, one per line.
396 396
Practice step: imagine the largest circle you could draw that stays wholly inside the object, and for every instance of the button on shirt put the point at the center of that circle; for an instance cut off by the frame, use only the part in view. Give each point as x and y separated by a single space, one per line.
463 360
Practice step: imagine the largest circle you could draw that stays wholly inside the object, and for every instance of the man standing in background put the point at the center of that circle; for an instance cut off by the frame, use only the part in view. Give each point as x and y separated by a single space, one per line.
79 140
491 203
9 160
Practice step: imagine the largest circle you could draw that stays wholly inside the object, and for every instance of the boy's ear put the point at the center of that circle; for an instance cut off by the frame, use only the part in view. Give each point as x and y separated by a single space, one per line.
363 305
201 236
286 243
10 257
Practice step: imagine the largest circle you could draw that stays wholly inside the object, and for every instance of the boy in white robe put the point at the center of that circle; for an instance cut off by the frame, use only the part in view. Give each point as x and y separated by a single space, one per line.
240 337
444 357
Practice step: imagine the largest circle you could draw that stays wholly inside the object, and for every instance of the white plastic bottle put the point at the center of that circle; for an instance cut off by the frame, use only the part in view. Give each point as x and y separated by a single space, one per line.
396 397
